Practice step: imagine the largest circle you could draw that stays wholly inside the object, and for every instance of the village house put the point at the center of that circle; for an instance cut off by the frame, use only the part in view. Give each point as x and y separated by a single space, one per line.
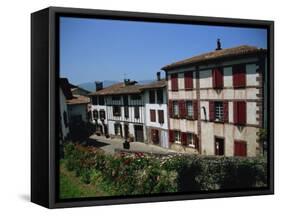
123 104
216 101
64 95
156 121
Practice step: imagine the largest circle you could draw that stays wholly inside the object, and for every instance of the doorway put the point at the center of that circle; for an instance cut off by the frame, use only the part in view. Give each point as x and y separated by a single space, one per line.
139 133
219 146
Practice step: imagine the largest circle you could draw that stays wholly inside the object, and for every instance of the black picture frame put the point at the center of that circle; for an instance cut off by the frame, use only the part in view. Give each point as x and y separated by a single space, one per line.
44 100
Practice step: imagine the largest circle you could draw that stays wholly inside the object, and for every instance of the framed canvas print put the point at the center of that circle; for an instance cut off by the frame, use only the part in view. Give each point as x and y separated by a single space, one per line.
138 107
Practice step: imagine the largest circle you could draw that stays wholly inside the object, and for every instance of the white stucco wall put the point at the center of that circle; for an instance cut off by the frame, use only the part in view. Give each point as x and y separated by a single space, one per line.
63 107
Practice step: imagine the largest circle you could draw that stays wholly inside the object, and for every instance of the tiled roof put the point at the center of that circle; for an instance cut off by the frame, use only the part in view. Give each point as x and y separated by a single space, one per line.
155 84
78 99
119 88
216 55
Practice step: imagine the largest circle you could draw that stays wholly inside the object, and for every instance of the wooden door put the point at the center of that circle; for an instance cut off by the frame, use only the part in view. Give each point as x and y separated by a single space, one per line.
126 130
139 133
155 136
219 146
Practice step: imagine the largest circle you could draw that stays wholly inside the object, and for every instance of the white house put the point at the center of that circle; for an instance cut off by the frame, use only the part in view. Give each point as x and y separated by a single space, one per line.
124 110
156 118
216 102
64 95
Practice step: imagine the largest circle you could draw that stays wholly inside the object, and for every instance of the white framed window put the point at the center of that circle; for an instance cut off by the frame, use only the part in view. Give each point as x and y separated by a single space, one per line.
189 108
218 111
177 137
175 108
190 139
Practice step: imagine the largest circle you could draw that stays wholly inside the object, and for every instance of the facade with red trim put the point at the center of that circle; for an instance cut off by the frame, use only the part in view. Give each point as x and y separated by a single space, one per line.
216 102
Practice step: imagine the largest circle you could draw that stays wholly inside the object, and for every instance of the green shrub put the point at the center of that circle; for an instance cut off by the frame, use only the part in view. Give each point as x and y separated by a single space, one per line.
130 173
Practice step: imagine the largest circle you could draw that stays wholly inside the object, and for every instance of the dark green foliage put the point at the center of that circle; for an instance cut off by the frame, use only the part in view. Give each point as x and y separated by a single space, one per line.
139 173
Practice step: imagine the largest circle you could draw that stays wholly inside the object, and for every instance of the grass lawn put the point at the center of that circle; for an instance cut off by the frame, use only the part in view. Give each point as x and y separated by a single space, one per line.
72 187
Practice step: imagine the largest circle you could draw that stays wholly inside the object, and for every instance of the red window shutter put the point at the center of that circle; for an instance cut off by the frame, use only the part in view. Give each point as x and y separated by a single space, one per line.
225 111
188 80
242 112
171 108
174 81
161 116
152 116
195 109
239 76
171 136
183 138
182 109
195 138
212 110
217 76
239 115
240 148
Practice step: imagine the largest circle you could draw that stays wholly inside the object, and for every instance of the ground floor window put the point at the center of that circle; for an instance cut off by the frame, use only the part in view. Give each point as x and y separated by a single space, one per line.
219 146
117 129
177 135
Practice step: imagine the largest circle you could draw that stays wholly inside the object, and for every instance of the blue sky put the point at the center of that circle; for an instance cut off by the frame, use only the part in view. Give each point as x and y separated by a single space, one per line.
94 49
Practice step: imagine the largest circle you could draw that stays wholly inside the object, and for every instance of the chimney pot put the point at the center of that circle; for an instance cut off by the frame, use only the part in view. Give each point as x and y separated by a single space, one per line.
158 74
99 85
218 44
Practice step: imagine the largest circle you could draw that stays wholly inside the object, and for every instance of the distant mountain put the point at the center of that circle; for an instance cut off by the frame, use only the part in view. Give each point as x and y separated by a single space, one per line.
91 86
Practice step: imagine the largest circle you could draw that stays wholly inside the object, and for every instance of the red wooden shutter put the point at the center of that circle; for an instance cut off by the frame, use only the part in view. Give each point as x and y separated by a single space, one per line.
195 138
183 138
152 116
188 80
225 111
174 82
240 148
182 109
239 115
171 108
212 110
217 76
195 109
239 76
242 112
171 136
161 116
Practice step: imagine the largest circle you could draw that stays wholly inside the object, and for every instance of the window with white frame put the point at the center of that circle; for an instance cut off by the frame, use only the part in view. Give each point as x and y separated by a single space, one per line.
189 109
218 111
175 108
190 139
177 136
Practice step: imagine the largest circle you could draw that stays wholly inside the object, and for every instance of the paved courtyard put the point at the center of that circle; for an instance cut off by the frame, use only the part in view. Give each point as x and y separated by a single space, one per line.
109 145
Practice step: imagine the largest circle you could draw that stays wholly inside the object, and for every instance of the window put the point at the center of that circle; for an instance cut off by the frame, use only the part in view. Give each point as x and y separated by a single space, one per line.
239 76
95 100
217 76
126 112
137 112
101 100
188 80
95 114
174 82
218 111
136 97
175 109
161 116
188 139
239 112
177 135
189 109
160 97
116 97
152 116
117 129
65 119
116 111
102 114
240 148
152 96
